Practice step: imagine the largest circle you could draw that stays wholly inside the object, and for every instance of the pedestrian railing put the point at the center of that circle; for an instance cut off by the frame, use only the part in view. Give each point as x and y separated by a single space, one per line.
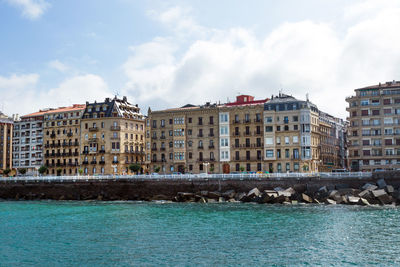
234 176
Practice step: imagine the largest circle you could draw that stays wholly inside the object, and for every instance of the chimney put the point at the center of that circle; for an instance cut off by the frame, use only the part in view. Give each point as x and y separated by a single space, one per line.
107 99
125 99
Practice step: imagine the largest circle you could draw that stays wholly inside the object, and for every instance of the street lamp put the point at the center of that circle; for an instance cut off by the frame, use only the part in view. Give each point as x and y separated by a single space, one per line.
206 165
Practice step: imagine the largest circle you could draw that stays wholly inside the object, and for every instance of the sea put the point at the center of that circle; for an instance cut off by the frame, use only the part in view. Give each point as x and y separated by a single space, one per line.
95 233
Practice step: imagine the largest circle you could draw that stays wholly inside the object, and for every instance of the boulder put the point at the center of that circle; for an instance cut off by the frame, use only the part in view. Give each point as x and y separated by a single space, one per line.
389 189
203 200
290 190
330 201
378 193
332 193
341 186
365 194
353 200
221 199
294 202
242 197
214 195
229 194
211 200
381 183
382 196
306 198
364 202
369 187
323 189
279 189
280 199
232 200
204 193
254 193
263 198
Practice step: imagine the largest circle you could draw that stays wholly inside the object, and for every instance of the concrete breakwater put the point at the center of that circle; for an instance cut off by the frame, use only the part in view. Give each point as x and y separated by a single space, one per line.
305 189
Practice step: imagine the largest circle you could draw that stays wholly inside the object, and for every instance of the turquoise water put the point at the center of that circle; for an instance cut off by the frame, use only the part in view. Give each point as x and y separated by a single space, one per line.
50 233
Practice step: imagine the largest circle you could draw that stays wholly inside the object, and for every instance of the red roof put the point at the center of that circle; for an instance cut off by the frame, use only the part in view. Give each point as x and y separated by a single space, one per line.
75 107
246 100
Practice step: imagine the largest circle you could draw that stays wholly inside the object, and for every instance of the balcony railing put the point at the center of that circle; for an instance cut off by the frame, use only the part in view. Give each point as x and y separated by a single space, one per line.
115 128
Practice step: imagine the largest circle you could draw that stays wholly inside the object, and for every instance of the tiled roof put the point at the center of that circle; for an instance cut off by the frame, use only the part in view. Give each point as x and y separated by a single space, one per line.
254 102
75 107
393 84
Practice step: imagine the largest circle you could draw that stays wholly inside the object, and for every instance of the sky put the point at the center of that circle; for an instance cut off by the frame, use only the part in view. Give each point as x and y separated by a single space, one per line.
164 54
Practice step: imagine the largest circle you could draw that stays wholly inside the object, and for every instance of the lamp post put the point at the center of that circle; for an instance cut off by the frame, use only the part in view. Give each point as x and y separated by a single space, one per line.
206 165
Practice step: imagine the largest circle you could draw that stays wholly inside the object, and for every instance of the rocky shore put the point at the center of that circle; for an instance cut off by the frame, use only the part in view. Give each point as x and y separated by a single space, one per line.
379 193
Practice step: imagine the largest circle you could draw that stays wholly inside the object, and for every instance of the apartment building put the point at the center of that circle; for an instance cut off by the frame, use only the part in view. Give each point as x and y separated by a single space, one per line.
300 138
28 142
183 139
112 137
61 129
212 137
241 144
374 128
6 139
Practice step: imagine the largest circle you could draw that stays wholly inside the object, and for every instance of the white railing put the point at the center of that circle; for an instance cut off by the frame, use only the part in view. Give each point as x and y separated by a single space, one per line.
238 176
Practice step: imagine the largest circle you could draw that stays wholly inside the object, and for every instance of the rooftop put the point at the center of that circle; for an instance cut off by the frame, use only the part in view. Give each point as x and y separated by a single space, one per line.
388 85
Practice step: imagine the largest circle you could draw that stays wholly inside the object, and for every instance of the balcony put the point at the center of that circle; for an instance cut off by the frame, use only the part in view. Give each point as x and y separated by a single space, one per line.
85 152
236 134
258 120
115 128
257 133
200 135
102 162
200 147
93 162
70 134
102 151
162 137
65 144
53 135
154 137
211 146
162 149
76 154
85 162
236 121
115 162
115 138
246 121
210 134
247 134
94 140
72 164
93 129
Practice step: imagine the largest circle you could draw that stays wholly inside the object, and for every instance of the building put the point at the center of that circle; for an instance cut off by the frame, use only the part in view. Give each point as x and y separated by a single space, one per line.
112 137
374 128
212 137
28 142
6 139
241 141
298 137
61 129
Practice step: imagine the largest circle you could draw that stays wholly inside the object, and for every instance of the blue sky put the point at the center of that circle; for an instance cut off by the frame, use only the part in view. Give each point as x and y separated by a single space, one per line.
167 53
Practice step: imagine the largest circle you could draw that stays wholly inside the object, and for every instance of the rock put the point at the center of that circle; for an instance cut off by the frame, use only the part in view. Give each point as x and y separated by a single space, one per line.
221 199
263 198
381 183
369 187
242 197
254 193
211 200
353 200
294 202
279 189
62 197
204 193
364 202
290 190
203 200
306 198
344 199
341 186
332 193
365 194
279 199
378 193
287 203
389 189
316 201
214 195
330 201
232 200
229 194
345 191
160 197
100 197
284 193
323 189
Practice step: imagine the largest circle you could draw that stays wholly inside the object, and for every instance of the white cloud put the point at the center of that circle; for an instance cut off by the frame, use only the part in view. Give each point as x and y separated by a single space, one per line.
20 93
31 9
299 57
58 65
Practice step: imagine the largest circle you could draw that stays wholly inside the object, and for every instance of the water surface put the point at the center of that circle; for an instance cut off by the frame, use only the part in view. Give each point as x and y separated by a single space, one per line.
50 233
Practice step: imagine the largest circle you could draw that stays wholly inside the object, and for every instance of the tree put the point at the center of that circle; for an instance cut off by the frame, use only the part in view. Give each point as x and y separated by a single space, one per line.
134 167
59 170
305 167
241 168
42 170
157 169
6 172
22 171
80 171
212 169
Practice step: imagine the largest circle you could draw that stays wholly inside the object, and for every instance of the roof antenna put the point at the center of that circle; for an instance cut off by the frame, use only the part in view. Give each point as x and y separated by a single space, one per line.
307 97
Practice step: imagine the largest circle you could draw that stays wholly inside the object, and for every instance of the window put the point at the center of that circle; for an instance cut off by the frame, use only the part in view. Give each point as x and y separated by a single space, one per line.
268 119
269 141
224 130
224 142
295 139
286 140
269 153
223 117
278 140
268 128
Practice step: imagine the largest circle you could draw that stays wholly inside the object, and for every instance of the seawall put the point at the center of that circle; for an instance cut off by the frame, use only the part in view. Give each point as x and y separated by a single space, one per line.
161 188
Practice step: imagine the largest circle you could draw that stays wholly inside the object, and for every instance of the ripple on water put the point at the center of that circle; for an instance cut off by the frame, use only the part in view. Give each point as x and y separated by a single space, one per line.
141 233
